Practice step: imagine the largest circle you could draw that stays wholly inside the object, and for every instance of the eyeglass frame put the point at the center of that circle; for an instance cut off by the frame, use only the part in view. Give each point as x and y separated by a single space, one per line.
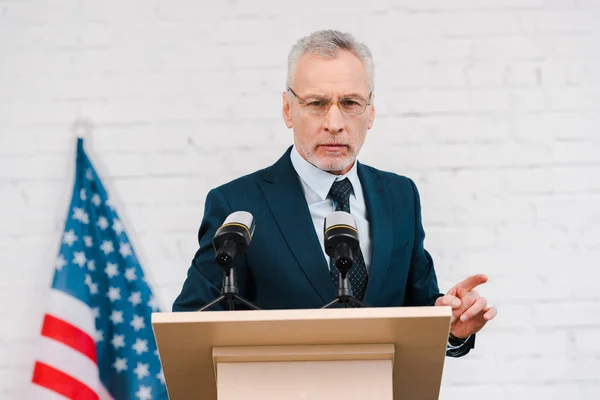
303 103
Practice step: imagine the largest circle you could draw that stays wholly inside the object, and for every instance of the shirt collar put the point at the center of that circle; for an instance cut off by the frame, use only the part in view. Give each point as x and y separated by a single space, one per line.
318 180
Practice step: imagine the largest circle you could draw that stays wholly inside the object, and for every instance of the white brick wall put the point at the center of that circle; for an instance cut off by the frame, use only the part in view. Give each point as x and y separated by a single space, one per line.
492 106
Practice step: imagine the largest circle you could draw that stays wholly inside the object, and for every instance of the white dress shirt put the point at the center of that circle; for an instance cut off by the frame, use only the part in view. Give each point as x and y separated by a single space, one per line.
316 184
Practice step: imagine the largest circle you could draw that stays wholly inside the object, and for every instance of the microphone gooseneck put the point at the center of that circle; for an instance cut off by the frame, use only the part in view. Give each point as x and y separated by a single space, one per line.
231 240
342 245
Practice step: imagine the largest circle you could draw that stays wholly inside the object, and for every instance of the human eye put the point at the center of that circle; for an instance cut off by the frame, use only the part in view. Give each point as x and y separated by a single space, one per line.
317 106
352 104
316 102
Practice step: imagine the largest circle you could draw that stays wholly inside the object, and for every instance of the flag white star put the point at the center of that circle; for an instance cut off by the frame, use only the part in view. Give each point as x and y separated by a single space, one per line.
96 312
140 346
118 341
114 293
79 258
118 226
82 195
88 279
80 215
91 265
69 237
161 376
120 364
93 288
135 298
125 249
138 323
98 336
88 174
96 199
89 242
103 223
107 247
111 270
141 370
153 304
145 393
116 317
130 274
60 262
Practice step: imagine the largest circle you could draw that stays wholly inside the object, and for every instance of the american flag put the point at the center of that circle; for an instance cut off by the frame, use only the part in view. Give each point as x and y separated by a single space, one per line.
96 338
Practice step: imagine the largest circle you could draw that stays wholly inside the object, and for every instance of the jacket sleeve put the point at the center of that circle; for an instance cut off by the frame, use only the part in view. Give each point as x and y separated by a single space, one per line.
422 287
205 277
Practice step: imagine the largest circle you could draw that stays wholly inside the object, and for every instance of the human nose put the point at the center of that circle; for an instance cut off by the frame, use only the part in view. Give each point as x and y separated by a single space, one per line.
334 120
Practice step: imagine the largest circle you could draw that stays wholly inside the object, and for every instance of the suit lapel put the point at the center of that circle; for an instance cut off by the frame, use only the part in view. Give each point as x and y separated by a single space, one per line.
286 200
380 226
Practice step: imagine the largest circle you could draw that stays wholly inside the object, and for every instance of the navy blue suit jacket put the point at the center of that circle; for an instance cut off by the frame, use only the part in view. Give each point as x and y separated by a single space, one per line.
284 266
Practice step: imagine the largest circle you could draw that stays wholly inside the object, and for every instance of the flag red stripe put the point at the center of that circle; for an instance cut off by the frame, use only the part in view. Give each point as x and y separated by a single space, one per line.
53 379
59 330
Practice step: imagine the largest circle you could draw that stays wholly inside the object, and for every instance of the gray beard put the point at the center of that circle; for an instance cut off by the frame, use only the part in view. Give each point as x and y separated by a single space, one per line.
335 165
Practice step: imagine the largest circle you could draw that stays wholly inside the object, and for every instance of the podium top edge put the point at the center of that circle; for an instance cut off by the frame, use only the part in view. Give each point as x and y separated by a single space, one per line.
301 315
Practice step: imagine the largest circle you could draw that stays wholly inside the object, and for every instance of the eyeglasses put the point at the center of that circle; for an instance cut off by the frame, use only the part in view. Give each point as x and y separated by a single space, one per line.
321 105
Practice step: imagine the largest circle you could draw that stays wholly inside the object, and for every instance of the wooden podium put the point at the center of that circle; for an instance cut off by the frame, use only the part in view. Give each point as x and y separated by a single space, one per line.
342 353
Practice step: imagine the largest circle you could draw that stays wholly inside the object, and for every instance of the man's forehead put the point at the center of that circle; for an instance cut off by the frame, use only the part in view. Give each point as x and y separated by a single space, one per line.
322 76
328 94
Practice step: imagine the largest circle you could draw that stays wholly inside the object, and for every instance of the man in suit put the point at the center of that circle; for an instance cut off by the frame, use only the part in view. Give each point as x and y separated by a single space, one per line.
329 104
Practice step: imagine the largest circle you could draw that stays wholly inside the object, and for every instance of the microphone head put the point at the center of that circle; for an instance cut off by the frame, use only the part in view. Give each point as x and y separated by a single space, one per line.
234 236
340 218
240 218
340 228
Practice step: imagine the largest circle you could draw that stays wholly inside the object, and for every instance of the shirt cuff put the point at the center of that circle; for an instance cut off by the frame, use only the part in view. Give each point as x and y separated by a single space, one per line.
456 343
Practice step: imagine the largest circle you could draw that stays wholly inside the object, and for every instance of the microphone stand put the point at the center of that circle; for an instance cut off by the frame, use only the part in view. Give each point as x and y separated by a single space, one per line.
344 290
229 291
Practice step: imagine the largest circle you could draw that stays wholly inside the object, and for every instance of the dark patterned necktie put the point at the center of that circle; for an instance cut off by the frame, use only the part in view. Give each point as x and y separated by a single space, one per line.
357 276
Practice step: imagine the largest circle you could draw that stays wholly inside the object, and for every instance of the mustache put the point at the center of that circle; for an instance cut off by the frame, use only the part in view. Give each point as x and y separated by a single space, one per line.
333 144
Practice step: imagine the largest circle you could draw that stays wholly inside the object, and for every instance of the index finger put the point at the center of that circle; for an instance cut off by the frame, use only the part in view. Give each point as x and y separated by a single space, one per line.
472 282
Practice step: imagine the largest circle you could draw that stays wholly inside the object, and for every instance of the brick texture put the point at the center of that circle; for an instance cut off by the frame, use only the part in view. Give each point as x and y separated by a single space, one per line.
491 107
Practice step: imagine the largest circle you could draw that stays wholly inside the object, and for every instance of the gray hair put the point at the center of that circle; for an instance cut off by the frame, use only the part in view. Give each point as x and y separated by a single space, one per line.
329 43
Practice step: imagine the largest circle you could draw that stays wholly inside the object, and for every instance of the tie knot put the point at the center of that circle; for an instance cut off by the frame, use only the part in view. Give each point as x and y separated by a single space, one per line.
340 193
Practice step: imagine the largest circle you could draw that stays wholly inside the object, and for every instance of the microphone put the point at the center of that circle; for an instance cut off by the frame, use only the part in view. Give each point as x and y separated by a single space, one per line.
233 237
341 239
